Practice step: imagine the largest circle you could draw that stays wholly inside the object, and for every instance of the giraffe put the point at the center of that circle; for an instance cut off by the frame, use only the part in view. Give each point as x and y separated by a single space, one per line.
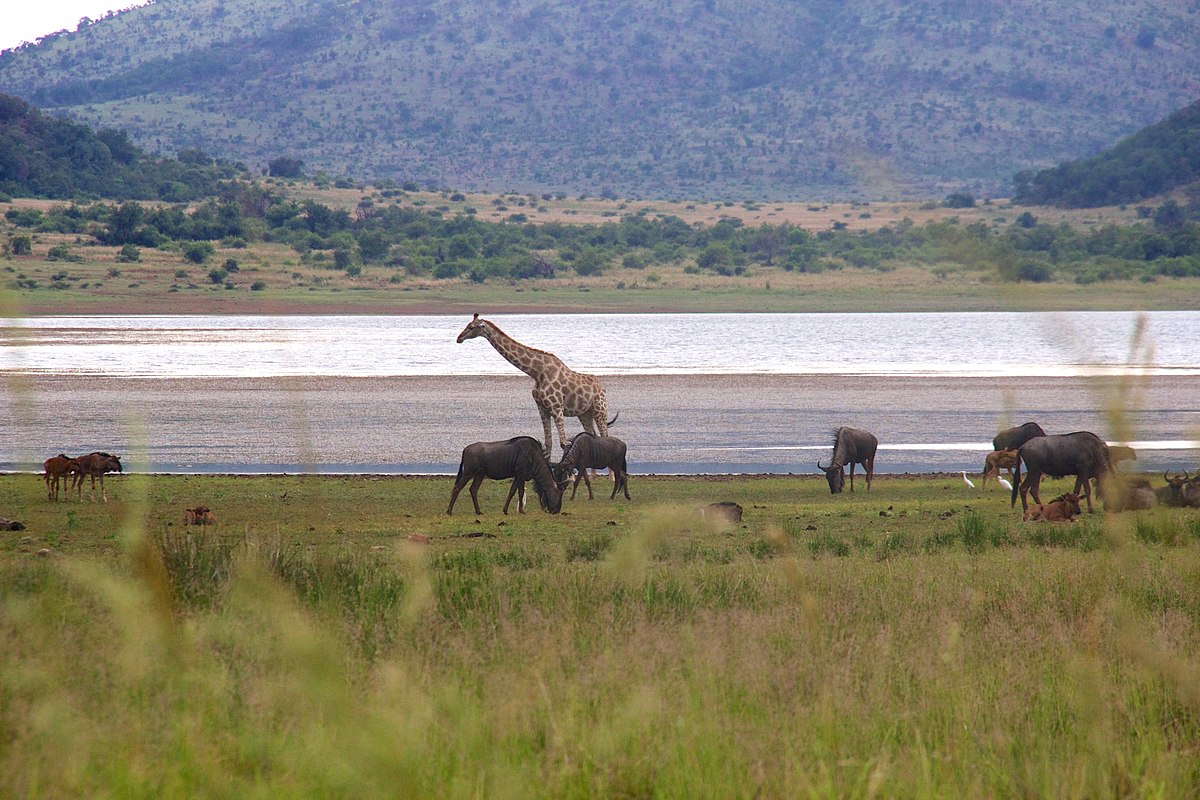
558 390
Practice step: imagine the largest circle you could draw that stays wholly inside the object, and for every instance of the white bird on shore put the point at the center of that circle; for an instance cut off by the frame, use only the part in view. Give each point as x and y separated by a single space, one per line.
1005 483
968 482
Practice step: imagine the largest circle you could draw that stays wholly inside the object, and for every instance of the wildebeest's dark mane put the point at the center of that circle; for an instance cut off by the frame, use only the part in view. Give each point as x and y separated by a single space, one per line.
534 460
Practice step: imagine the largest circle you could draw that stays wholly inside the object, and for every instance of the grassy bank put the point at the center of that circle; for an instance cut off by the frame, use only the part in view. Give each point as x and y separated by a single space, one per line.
341 636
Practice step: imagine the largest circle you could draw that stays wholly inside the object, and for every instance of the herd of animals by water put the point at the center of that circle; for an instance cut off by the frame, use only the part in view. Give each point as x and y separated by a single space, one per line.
561 392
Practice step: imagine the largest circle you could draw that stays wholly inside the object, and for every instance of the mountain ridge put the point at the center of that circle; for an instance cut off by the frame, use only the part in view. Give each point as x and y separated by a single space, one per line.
700 99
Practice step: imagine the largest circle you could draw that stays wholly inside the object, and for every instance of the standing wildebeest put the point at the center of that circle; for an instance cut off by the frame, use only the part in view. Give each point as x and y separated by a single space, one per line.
1082 454
588 451
520 458
94 465
1013 438
850 446
59 468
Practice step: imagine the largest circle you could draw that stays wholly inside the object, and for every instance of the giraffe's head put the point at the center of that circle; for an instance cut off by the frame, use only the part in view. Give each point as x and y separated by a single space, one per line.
476 327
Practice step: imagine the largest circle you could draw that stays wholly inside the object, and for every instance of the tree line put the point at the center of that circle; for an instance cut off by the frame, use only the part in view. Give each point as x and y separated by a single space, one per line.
436 244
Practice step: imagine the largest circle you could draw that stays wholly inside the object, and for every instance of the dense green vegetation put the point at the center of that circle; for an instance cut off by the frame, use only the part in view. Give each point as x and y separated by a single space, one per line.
1152 162
46 156
434 243
343 637
703 100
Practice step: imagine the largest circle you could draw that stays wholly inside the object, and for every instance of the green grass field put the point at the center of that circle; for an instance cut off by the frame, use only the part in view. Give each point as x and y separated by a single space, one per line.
343 637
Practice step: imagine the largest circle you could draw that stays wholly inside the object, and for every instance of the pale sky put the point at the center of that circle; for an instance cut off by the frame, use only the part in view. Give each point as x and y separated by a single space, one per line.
27 20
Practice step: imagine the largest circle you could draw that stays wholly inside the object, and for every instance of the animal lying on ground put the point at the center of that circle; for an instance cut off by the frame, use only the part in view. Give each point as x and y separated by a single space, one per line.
520 458
850 446
1063 508
200 515
996 461
1082 454
587 451
1126 494
1181 491
58 468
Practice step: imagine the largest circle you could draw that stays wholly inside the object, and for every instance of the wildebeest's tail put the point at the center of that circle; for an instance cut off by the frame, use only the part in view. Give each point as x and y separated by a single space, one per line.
1016 479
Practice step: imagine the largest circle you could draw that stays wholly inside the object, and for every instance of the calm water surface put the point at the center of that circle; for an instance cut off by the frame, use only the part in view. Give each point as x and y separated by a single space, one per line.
734 392
969 344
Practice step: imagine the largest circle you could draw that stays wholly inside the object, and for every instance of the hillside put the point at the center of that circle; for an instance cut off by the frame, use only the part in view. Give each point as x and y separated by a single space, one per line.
708 100
45 156
1156 160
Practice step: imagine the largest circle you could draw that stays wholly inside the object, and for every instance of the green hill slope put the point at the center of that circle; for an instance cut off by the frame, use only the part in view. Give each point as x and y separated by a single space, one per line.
706 99
1153 161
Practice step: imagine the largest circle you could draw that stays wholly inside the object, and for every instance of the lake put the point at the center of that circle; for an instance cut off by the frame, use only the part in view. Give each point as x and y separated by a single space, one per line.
696 392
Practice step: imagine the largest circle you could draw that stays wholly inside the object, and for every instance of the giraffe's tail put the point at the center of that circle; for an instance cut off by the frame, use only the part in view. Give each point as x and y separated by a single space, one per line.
613 420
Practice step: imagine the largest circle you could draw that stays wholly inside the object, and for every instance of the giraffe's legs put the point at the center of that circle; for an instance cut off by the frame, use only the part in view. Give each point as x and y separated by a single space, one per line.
562 432
545 412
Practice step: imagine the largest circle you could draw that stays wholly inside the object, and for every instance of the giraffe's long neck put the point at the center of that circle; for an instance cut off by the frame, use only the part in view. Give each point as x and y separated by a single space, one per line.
522 357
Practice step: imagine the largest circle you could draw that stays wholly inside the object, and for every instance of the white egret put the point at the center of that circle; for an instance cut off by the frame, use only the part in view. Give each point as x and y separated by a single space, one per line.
1005 483
968 482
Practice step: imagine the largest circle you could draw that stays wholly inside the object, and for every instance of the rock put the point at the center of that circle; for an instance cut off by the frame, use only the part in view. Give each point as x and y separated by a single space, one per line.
44 552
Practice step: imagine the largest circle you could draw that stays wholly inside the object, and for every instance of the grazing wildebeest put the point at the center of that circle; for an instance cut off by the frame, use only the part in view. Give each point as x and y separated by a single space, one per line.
1063 508
94 465
1082 454
996 461
850 446
1013 438
58 469
588 451
520 458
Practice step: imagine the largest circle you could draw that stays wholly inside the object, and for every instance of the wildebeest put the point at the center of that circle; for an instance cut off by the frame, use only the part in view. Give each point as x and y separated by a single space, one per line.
588 451
996 461
1063 508
1082 454
1013 438
850 446
520 458
58 468
95 465
1181 491
1127 494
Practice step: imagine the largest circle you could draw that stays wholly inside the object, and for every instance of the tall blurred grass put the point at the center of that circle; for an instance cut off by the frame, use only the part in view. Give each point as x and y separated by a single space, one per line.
989 664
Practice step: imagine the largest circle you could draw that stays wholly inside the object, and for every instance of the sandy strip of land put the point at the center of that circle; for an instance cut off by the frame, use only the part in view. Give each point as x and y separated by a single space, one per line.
685 423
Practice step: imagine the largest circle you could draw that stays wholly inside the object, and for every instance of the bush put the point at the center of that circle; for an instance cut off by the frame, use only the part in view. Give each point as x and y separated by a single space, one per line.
198 252
128 254
217 276
959 200
21 245
1035 273
258 286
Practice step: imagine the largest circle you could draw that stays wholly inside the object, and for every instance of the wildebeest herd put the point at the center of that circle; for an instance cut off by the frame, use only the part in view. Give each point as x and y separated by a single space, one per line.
560 391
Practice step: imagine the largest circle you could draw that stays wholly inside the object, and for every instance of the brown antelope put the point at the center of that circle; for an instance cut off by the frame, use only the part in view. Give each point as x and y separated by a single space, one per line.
58 469
996 461
94 465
